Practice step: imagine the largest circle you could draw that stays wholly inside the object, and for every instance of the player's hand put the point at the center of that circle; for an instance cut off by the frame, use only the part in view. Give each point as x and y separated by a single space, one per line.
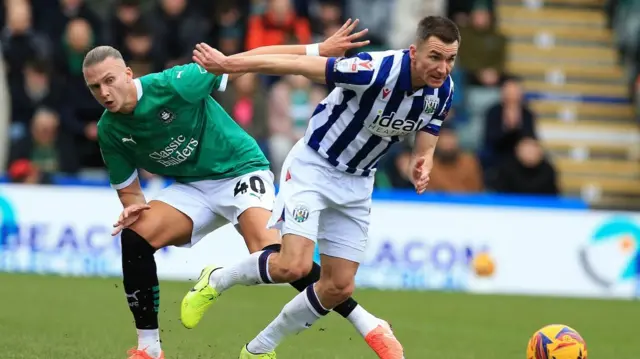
343 40
420 175
209 59
128 216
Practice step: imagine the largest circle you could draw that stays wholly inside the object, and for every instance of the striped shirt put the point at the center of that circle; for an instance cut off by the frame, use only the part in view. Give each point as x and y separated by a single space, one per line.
372 107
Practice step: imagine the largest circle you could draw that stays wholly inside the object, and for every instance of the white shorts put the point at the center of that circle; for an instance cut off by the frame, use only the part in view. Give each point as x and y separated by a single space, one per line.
212 204
323 204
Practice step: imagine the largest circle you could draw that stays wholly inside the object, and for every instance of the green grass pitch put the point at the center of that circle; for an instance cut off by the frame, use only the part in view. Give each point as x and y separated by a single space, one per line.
43 317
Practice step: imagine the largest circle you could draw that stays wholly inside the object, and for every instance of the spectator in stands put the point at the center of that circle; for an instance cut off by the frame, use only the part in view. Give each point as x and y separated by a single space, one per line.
40 89
86 111
25 172
454 170
292 101
177 30
20 43
506 123
279 25
46 149
53 20
460 10
483 55
527 171
407 13
373 15
124 17
328 15
139 51
246 101
228 26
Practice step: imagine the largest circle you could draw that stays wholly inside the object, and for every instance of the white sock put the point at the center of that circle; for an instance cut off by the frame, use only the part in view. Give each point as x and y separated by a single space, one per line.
300 313
364 321
250 271
149 340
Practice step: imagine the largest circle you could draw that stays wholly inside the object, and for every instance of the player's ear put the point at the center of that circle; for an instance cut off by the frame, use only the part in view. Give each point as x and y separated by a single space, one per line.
412 51
129 73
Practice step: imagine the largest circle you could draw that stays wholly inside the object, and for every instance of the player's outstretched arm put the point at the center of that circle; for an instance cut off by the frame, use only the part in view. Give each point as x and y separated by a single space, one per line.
336 45
215 62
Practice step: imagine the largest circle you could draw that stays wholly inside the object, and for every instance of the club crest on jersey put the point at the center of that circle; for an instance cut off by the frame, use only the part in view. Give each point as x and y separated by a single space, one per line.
300 213
431 103
166 116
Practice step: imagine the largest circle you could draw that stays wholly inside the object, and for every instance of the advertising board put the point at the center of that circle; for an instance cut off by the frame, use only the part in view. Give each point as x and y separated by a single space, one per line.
412 245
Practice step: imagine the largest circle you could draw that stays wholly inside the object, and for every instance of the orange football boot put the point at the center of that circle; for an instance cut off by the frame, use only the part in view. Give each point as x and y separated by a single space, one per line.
142 354
384 343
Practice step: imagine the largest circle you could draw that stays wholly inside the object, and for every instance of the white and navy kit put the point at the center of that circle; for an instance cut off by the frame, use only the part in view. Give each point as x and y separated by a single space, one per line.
327 179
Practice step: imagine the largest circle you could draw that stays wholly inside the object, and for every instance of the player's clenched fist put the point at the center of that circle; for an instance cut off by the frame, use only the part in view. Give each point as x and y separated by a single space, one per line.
209 58
128 216
420 174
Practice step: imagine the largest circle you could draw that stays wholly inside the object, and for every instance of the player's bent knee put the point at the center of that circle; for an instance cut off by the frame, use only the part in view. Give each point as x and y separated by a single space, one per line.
294 261
294 269
337 290
343 291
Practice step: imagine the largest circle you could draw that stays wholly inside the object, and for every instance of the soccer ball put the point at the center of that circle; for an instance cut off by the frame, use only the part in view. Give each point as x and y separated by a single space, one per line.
556 341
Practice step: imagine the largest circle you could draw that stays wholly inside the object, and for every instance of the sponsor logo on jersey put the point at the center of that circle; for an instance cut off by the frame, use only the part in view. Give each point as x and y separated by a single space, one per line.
389 125
176 151
431 103
352 65
166 116
385 93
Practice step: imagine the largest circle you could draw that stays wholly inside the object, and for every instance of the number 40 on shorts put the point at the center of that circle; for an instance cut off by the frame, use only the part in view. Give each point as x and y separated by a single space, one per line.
256 184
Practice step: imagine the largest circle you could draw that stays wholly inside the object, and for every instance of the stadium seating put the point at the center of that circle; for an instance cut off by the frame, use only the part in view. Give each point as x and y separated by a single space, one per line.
566 54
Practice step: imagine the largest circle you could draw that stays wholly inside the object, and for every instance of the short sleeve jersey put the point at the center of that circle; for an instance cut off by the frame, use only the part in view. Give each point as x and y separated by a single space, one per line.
177 130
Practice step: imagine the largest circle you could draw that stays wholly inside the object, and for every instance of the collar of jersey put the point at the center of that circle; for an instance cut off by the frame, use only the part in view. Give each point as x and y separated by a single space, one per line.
138 85
404 79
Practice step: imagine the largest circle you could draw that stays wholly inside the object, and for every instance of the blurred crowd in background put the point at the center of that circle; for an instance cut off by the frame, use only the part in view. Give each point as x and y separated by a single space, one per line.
488 143
624 20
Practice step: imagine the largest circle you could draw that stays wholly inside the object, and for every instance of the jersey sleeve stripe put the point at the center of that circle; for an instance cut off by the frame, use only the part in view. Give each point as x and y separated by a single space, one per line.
434 130
223 83
328 71
333 76
366 104
364 56
127 182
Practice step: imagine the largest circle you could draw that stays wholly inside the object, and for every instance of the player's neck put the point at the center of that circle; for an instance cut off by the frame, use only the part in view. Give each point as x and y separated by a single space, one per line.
131 100
416 82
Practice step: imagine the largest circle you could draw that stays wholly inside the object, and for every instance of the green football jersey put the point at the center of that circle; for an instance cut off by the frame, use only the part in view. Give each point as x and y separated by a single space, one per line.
177 130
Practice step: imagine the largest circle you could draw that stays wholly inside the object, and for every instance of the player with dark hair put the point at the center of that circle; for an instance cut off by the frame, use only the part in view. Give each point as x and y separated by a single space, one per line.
167 123
380 98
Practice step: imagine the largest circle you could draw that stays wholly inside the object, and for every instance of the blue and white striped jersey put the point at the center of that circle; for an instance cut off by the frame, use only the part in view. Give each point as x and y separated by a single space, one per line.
372 107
